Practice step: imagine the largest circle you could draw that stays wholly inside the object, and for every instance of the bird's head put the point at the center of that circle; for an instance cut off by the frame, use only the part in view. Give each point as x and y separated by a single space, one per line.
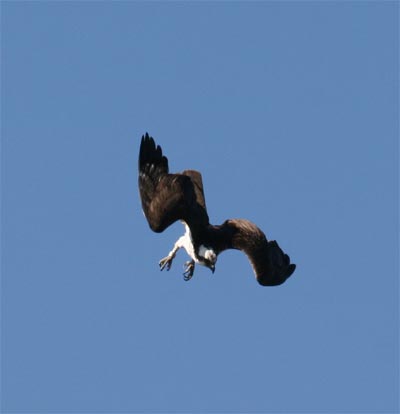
210 258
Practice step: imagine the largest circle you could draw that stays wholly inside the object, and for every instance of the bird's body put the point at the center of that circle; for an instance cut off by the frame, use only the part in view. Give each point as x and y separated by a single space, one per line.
167 198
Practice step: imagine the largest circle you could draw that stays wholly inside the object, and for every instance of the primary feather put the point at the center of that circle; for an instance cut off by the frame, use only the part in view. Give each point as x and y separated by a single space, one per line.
167 198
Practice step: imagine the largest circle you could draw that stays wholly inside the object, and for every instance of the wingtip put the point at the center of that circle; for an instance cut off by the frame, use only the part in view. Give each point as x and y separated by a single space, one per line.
277 273
150 153
290 270
147 142
147 137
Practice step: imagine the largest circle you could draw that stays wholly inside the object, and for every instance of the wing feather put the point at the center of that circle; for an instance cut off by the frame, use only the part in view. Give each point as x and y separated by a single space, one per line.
197 181
167 197
270 264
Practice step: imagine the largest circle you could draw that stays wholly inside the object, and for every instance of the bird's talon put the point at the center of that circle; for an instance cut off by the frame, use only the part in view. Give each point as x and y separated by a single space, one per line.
187 277
166 262
188 273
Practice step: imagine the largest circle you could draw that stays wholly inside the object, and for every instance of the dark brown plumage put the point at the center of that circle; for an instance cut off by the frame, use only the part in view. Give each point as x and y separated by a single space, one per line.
167 198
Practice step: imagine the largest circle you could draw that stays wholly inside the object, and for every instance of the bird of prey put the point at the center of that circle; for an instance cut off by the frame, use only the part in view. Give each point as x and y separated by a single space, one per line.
167 198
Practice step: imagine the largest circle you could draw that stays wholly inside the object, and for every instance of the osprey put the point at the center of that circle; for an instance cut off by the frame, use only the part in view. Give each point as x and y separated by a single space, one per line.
167 198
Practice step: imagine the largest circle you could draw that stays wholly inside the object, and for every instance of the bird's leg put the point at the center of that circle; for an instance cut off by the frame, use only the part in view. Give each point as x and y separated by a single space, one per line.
188 273
167 261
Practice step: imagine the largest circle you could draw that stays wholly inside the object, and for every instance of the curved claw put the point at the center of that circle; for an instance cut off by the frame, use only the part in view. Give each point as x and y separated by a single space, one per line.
188 273
187 276
165 262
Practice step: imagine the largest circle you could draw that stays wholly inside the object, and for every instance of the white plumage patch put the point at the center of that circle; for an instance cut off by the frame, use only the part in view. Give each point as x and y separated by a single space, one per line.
187 243
208 254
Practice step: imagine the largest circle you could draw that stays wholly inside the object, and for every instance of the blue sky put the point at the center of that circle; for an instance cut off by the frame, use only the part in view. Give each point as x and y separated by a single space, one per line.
289 110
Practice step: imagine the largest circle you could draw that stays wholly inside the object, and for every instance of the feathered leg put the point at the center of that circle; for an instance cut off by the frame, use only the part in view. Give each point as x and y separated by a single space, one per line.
167 261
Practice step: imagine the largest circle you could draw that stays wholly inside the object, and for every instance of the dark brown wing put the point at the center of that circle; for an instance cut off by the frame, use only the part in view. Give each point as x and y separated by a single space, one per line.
270 264
166 197
197 181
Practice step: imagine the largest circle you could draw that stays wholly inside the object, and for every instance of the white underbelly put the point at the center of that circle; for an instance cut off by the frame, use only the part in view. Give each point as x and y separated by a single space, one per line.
187 244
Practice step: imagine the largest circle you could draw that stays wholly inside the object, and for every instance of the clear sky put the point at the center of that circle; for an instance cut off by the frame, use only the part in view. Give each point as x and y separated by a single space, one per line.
289 110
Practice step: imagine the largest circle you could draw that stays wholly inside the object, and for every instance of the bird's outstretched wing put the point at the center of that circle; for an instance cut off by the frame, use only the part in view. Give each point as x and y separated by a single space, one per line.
270 264
197 181
166 197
